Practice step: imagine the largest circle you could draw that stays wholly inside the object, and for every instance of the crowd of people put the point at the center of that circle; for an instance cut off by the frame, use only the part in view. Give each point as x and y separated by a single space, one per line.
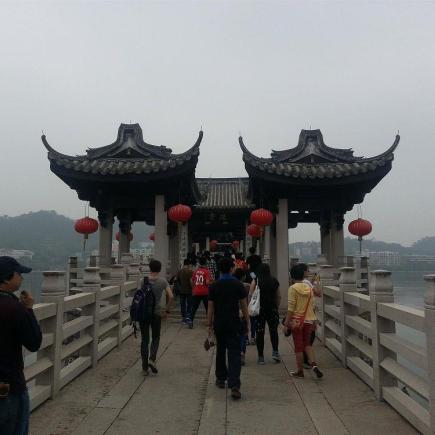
224 284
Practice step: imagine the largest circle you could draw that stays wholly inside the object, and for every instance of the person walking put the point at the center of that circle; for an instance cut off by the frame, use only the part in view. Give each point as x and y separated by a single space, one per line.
300 319
269 304
18 327
211 265
159 287
200 281
184 278
227 296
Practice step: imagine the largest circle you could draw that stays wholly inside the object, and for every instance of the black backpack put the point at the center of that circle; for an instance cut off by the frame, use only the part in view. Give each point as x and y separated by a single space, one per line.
143 304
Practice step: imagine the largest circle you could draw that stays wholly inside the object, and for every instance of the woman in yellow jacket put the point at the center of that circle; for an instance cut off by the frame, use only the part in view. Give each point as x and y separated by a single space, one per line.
301 319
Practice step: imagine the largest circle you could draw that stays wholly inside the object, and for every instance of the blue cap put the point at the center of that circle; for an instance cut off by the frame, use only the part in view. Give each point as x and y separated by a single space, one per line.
9 265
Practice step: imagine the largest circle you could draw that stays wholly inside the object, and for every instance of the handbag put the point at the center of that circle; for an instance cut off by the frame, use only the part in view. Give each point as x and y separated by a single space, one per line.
254 303
297 320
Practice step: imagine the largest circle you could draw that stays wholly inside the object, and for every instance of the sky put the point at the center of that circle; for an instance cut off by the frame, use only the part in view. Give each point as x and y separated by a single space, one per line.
360 71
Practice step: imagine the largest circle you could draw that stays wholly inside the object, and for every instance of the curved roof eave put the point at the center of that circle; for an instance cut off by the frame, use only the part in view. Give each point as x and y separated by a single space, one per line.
193 149
52 153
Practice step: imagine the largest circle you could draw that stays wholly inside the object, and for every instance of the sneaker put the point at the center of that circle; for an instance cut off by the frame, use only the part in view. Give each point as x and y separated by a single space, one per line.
260 360
252 341
299 374
220 383
152 366
307 366
276 357
235 393
146 372
317 371
184 321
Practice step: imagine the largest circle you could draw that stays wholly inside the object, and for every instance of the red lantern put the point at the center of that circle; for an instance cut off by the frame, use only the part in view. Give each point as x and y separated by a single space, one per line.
86 226
180 213
235 245
152 237
130 236
213 245
254 230
360 227
261 217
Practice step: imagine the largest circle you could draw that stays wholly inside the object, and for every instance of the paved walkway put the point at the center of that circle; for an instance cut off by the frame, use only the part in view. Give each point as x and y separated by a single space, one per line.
115 398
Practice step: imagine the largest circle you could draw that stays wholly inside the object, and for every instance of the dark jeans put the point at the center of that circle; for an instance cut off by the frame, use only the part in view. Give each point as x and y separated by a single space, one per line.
228 348
253 321
272 319
196 300
186 306
243 337
155 325
14 414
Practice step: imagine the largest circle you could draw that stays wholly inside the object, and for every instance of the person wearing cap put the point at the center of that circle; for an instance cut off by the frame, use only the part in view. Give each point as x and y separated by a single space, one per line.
18 327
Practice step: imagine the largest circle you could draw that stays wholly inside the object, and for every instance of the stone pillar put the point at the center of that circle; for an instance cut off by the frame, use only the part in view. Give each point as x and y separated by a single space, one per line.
381 290
282 255
161 232
337 239
92 284
325 240
184 242
106 235
429 327
326 274
126 258
346 283
71 273
207 243
53 290
124 230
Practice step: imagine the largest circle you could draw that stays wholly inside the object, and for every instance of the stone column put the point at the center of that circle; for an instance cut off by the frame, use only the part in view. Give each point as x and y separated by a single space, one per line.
71 273
429 327
326 274
53 290
266 246
282 255
106 235
381 290
207 243
184 242
161 232
337 239
325 240
124 230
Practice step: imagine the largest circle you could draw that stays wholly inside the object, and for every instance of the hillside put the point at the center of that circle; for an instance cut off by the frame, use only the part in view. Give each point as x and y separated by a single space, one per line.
51 237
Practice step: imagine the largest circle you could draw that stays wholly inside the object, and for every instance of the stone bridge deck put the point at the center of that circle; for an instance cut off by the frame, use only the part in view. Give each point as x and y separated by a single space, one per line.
116 399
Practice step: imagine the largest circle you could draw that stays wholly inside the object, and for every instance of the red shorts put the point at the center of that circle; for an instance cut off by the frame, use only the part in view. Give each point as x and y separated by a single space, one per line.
302 336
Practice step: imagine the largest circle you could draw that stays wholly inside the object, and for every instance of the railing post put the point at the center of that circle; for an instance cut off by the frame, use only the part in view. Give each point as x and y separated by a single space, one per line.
126 258
381 290
92 284
72 264
133 272
118 277
53 290
326 274
429 326
346 283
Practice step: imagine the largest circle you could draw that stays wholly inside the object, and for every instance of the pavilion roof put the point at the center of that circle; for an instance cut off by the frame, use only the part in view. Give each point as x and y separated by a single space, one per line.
129 154
312 159
223 193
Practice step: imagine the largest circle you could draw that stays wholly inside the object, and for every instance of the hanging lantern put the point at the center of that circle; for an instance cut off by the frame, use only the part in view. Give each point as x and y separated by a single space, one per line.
180 213
235 245
86 226
261 217
254 230
130 236
360 227
213 245
152 237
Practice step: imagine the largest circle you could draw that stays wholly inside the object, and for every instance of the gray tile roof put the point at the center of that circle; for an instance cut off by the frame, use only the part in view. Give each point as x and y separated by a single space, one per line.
224 193
129 154
317 161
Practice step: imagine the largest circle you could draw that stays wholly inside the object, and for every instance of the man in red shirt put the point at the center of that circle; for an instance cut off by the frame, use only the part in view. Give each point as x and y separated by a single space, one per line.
201 279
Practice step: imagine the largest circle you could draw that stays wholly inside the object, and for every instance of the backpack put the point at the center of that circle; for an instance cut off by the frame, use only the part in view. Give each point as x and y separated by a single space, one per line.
143 304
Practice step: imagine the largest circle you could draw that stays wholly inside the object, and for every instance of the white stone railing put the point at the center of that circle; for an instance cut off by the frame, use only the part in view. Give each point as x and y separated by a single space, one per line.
78 329
362 331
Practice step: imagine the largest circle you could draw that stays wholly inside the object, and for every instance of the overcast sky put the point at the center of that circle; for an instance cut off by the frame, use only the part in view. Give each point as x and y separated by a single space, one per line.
359 71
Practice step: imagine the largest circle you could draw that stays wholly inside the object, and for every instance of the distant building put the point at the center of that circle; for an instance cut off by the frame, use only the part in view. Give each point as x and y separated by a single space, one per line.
16 253
385 258
419 258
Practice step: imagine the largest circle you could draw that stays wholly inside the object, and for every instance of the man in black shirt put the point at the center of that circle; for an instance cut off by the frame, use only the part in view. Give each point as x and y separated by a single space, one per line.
225 298
18 327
